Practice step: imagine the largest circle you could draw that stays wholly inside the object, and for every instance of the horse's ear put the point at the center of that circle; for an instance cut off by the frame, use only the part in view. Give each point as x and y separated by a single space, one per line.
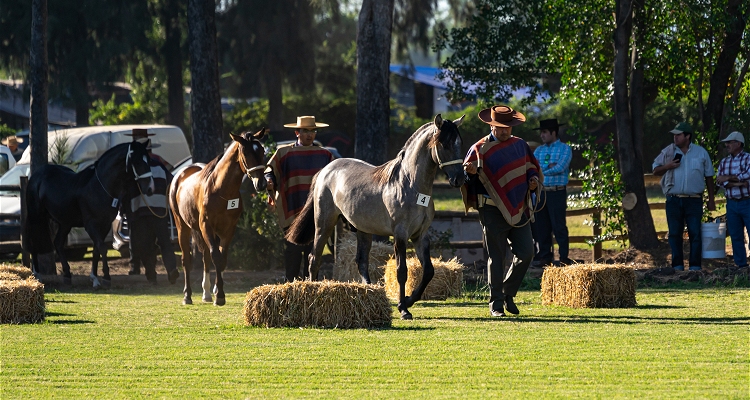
458 122
236 138
262 132
438 121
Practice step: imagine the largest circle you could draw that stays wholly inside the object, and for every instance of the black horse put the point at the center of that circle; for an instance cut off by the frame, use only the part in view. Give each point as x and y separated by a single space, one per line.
88 199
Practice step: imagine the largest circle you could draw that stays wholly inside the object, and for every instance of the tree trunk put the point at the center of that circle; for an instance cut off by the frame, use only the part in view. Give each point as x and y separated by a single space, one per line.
173 63
373 88
629 112
712 115
205 104
275 97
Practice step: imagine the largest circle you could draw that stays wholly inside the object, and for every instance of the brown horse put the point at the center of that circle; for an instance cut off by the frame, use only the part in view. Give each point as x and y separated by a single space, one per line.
205 201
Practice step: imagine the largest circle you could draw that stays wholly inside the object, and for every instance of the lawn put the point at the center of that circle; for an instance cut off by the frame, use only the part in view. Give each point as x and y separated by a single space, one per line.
141 343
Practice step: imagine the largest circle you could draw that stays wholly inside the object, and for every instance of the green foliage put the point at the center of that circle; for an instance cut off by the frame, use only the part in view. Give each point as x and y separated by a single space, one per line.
246 117
149 95
60 149
6 131
258 240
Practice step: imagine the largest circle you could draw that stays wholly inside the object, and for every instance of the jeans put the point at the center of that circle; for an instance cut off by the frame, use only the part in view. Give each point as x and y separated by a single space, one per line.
738 220
683 211
551 219
497 234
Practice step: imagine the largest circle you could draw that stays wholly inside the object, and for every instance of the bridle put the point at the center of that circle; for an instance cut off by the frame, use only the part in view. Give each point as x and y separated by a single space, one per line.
249 171
148 174
442 164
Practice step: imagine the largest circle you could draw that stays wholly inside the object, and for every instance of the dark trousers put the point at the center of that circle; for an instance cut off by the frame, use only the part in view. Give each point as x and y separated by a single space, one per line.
683 211
296 257
738 221
551 220
497 234
145 231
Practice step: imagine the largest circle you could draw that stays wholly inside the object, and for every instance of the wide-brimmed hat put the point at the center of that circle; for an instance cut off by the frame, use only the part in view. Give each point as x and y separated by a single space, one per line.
734 136
139 133
682 127
11 141
306 122
503 116
548 124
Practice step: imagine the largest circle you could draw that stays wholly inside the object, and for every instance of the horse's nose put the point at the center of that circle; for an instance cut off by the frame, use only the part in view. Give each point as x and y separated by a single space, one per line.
260 185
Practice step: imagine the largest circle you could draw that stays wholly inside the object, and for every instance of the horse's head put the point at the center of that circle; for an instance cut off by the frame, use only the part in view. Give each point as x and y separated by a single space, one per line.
446 144
253 157
137 162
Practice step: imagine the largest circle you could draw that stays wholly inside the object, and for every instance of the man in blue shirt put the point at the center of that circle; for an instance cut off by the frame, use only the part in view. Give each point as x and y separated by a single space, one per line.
554 158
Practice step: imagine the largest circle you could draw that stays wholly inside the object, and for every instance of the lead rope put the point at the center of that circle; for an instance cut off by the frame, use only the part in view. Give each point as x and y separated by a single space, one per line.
143 197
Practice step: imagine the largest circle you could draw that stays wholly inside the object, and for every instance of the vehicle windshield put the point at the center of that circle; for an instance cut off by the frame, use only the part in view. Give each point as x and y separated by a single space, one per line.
13 178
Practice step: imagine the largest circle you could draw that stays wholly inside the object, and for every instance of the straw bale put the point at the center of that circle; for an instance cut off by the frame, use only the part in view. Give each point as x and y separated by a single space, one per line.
19 270
589 286
326 304
345 268
446 282
21 301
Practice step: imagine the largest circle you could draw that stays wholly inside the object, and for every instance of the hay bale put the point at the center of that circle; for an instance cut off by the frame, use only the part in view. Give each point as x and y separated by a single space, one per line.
589 286
19 270
345 268
21 301
326 304
446 282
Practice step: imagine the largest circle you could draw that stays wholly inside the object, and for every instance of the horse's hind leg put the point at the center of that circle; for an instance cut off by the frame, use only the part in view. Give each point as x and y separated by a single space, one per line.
422 247
402 274
325 222
364 244
60 238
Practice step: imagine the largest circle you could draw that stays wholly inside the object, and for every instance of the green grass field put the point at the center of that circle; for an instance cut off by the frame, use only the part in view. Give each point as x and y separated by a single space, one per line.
141 343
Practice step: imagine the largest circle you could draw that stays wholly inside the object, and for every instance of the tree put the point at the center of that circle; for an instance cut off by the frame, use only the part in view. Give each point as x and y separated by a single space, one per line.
38 78
171 53
373 89
205 104
658 51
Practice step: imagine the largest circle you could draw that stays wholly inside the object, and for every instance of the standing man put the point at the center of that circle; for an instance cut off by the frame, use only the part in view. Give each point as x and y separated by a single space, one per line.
686 171
554 158
12 143
288 177
148 219
501 171
734 177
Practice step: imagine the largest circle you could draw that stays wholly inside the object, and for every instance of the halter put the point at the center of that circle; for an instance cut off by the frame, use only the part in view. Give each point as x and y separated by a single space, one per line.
148 174
249 171
443 164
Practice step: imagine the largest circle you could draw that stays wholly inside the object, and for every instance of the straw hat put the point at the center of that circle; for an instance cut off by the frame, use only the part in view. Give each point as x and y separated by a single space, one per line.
306 122
11 141
503 116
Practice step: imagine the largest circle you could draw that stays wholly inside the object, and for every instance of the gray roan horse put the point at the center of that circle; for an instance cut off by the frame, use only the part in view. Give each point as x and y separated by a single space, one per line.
390 200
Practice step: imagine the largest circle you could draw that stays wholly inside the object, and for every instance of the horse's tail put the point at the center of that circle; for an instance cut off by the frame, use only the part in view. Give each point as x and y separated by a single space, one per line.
35 233
302 230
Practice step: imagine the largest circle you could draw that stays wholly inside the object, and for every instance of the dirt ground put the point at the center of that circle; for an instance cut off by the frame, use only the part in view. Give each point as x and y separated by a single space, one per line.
653 264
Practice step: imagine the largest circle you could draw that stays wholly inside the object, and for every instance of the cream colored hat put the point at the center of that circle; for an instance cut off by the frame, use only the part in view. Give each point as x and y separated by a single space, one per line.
735 136
11 140
306 122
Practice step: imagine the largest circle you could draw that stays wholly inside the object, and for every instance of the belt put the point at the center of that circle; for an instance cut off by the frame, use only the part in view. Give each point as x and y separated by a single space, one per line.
554 188
682 196
482 201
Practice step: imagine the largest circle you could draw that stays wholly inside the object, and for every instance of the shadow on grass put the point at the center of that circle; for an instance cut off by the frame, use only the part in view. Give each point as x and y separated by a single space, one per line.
71 322
58 314
627 320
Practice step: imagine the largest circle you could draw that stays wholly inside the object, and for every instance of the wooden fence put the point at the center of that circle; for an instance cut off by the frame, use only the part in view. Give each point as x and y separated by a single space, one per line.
595 214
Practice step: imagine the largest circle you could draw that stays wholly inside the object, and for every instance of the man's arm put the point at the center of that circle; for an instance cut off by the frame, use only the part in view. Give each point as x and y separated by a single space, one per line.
662 169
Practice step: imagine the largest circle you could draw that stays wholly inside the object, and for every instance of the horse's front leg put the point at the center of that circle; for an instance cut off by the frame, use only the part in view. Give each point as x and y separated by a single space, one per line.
60 238
422 247
100 251
325 223
212 255
183 235
402 273
364 244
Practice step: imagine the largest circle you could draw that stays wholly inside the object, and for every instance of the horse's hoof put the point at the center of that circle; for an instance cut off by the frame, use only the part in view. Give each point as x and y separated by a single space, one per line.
187 301
208 299
220 301
406 315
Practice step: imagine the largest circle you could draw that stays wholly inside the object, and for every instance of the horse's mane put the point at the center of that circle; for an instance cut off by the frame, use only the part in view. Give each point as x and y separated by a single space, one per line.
384 173
109 152
206 174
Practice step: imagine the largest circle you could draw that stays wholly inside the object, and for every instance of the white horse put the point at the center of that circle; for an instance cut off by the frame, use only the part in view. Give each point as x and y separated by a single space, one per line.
393 199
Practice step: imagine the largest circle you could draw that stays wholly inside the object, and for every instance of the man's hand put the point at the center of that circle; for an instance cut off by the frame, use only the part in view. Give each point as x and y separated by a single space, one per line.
533 183
711 205
470 167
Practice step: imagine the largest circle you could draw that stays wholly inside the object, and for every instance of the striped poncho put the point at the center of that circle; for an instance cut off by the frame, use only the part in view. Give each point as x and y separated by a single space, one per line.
505 169
293 168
